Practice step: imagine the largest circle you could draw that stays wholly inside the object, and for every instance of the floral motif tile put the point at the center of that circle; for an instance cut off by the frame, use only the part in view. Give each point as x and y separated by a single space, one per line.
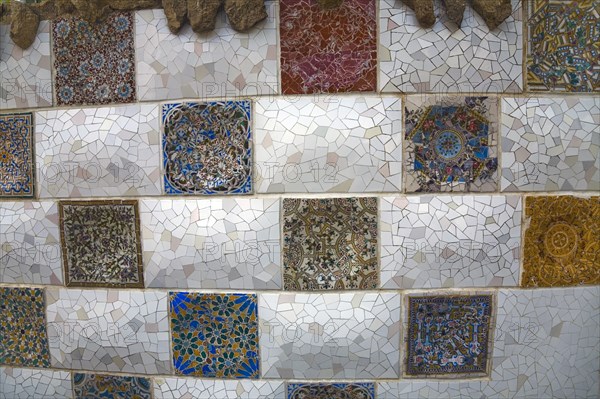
23 336
563 45
328 50
561 241
16 155
94 63
96 386
450 144
215 335
449 335
356 390
330 244
207 147
101 243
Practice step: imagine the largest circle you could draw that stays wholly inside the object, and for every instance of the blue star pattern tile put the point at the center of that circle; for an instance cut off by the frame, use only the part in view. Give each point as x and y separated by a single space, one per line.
207 147
215 335
92 386
16 155
357 390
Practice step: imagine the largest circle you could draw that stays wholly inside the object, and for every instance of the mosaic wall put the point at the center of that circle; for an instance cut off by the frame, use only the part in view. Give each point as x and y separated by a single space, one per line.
335 204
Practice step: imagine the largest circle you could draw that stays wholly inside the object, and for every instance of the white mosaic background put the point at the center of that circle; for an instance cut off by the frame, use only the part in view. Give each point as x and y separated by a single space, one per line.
34 383
182 388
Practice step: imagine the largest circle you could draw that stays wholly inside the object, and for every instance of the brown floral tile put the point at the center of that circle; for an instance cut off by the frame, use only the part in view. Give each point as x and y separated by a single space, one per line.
330 243
101 243
562 241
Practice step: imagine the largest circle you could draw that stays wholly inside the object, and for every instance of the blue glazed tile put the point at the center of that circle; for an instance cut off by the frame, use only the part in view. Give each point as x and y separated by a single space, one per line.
16 155
215 335
207 147
357 390
92 386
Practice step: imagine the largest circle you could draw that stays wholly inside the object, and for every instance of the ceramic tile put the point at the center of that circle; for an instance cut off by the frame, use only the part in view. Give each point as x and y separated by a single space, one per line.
341 144
25 75
95 386
34 383
561 246
16 155
357 390
98 152
328 50
215 335
451 144
221 63
562 45
445 59
207 147
94 63
450 241
186 388
215 243
550 144
101 243
448 335
30 250
109 330
330 244
327 336
23 337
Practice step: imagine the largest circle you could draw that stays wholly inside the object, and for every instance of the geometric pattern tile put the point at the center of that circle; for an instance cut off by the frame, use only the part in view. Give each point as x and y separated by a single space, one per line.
94 63
563 45
34 384
25 74
330 244
451 144
101 243
215 335
330 336
16 155
450 241
23 337
207 147
98 152
227 243
550 144
221 63
190 388
449 335
342 144
125 331
328 50
447 59
562 241
358 390
93 386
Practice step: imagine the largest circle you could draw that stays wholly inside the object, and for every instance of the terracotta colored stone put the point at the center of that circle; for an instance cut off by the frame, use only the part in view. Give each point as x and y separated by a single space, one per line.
244 14
493 12
24 26
176 13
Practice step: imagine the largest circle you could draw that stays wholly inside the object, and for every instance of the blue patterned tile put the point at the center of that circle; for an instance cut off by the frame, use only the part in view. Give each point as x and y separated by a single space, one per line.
207 147
357 390
16 155
92 386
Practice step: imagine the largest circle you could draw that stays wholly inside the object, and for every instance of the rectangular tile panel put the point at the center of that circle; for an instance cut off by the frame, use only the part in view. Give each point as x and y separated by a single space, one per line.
34 383
187 388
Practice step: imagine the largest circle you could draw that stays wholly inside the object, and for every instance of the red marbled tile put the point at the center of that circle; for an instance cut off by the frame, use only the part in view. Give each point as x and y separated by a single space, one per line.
328 50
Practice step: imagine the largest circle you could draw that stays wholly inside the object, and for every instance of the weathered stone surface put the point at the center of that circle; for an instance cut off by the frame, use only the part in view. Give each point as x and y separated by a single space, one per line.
24 25
329 4
244 14
423 10
176 13
202 14
455 10
493 12
91 10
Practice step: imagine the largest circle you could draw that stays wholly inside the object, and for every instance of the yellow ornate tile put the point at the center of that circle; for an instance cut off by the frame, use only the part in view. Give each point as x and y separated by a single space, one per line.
562 241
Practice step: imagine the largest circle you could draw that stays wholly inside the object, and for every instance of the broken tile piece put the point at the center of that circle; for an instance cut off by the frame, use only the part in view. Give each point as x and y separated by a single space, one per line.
16 155
189 388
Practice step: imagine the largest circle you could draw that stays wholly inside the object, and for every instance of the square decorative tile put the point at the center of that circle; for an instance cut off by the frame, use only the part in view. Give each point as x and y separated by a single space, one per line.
207 147
101 243
94 63
562 45
356 390
449 335
328 50
450 144
562 245
222 63
16 155
342 144
215 335
446 59
23 336
189 388
550 144
25 74
330 244
96 386
34 384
